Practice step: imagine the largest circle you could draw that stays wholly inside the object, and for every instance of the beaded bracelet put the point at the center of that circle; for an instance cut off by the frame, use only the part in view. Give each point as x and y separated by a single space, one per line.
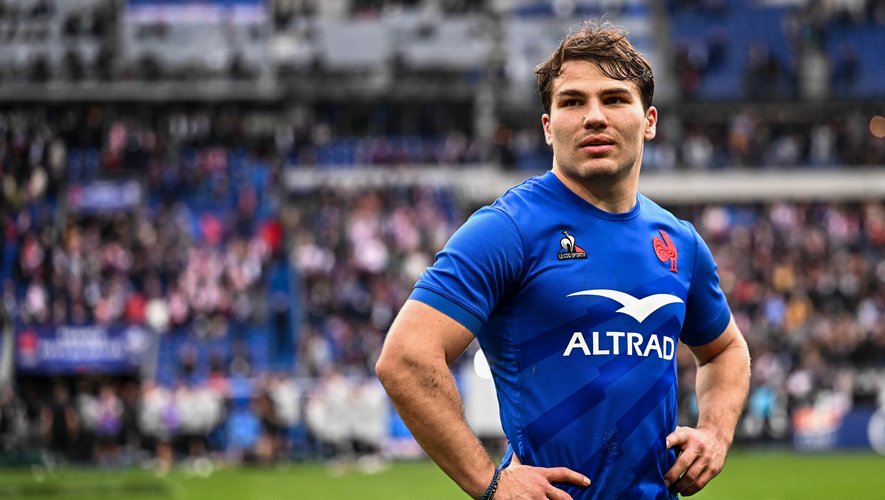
493 486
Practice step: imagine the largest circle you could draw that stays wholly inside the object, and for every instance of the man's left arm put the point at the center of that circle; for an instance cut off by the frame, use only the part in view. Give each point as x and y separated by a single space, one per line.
723 381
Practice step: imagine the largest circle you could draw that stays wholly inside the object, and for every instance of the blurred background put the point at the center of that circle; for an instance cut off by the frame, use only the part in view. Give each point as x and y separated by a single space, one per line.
212 210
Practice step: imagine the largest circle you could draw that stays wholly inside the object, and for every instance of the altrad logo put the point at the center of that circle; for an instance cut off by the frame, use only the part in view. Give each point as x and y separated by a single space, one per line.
636 308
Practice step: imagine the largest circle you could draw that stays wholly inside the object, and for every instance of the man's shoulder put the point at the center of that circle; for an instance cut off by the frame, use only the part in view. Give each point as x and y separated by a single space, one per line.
510 212
652 210
526 197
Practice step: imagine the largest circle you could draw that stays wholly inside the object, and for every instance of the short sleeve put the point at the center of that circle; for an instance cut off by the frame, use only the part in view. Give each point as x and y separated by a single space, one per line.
707 313
474 270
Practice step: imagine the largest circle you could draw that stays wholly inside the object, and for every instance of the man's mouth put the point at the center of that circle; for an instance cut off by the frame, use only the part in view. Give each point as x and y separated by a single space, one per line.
597 145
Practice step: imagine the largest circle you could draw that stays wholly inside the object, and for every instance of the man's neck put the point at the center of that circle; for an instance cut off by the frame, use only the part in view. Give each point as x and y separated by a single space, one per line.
611 195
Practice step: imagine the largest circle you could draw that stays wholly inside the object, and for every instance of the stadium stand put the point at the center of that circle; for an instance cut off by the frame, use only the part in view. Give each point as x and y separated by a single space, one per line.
732 49
239 195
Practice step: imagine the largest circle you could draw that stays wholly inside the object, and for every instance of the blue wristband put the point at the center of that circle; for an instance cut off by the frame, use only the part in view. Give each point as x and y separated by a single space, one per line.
493 486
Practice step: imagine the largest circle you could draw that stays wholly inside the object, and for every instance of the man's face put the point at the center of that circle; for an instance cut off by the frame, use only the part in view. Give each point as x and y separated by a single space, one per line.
596 124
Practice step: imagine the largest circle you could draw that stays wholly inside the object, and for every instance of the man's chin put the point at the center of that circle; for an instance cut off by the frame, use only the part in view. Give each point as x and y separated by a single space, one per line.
603 172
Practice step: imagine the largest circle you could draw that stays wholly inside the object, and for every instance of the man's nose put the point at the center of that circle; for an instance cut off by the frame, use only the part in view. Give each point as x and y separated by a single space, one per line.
595 116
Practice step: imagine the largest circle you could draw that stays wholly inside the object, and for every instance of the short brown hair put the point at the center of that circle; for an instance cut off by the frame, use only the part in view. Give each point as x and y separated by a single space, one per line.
604 45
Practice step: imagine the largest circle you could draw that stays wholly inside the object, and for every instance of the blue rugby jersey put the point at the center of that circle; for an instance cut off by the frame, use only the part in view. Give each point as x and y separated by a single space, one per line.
578 312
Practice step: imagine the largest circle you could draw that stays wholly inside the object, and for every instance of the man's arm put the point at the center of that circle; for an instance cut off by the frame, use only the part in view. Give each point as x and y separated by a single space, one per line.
414 369
723 381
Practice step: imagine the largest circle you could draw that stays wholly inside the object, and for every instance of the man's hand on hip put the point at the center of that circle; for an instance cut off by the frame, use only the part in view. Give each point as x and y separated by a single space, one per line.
702 458
536 483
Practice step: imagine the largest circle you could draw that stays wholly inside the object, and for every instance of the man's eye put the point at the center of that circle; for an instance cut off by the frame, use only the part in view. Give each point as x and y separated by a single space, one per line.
570 103
615 100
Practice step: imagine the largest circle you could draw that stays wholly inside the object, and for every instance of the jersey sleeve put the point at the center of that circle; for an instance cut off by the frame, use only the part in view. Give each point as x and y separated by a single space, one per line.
707 313
474 270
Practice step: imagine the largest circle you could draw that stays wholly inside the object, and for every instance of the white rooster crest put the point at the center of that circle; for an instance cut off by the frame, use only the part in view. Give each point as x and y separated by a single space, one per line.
568 242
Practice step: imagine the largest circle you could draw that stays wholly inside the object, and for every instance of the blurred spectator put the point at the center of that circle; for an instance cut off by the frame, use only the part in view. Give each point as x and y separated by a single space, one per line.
329 418
159 422
108 426
13 426
845 70
61 424
268 446
371 424
765 73
200 410
689 64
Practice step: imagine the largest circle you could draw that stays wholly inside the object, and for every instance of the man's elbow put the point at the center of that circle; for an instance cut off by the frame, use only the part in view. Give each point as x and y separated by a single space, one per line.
391 366
385 367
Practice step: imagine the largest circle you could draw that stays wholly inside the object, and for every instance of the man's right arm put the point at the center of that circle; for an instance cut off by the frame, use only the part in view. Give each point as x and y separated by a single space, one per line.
414 369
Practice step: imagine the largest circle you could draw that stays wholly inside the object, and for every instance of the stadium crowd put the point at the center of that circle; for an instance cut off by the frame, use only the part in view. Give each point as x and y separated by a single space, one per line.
804 279
71 145
165 261
358 255
805 283
744 139
190 260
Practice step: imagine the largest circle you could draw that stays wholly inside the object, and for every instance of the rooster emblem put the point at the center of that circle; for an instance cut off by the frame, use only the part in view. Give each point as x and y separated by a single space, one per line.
567 242
665 249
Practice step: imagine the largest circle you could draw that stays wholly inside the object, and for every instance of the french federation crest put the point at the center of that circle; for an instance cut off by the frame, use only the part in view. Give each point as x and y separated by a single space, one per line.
665 249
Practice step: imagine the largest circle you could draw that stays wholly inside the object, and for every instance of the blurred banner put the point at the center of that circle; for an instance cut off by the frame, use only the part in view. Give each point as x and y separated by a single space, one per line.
104 196
74 350
824 429
192 11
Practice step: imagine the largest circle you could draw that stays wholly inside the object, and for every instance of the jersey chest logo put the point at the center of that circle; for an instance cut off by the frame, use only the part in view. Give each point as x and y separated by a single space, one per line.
638 309
665 249
568 249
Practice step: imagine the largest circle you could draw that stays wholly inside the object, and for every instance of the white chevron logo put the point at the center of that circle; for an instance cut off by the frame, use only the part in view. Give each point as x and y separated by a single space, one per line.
638 309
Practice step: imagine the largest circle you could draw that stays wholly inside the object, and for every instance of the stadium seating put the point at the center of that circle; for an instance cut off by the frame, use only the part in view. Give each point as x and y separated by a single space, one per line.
725 43
864 40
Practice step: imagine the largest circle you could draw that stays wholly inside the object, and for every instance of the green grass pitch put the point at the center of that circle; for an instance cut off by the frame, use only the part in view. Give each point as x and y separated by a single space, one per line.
748 475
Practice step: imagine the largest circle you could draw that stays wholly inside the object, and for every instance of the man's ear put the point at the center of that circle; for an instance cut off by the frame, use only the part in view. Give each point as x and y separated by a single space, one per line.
651 123
545 123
